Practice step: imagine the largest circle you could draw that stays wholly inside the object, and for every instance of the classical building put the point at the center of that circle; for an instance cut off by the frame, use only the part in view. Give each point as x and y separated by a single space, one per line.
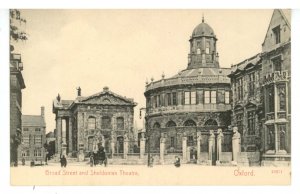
33 137
103 119
193 105
261 89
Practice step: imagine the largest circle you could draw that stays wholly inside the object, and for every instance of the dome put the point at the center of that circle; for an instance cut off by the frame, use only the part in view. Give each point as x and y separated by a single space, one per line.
203 29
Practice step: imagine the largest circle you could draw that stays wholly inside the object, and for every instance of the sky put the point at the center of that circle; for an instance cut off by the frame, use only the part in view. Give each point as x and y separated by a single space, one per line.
122 49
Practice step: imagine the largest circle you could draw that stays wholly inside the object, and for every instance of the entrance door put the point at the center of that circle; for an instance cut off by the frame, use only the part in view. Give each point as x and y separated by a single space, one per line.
120 147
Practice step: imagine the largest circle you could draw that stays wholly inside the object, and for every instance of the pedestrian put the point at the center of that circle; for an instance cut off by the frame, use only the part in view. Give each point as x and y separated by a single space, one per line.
91 159
23 161
177 161
63 161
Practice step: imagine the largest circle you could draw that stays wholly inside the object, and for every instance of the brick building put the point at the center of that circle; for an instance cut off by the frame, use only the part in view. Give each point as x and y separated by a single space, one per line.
103 119
33 137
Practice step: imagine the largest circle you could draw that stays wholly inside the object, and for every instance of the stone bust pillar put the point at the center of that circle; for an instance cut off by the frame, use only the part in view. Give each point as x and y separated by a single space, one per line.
236 145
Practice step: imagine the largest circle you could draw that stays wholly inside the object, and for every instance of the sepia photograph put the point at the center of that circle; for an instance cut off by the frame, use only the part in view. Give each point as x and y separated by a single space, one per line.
150 97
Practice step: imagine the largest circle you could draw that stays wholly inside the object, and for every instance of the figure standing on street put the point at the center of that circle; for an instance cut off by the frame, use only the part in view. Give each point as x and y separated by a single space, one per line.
177 161
63 161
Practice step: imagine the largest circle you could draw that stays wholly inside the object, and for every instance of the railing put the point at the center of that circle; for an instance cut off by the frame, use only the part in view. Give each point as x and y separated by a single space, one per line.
188 80
276 77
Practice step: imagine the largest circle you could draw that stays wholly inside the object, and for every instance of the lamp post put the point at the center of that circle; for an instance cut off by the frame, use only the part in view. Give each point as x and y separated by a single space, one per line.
147 132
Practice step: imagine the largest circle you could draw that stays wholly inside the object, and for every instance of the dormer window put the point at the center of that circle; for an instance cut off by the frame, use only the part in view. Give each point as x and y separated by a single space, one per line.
276 32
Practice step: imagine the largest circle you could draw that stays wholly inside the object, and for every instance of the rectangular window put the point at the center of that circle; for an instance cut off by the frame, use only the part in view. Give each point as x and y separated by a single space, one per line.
91 123
37 152
25 129
37 129
38 140
169 99
154 101
193 97
206 97
227 97
240 88
276 32
174 95
213 97
239 121
26 140
271 98
251 122
190 141
207 50
120 123
277 64
251 84
187 98
172 142
158 101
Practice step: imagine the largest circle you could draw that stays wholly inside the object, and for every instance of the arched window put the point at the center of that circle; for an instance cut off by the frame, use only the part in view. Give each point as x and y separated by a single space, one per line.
91 123
189 123
156 125
211 122
120 123
106 122
171 124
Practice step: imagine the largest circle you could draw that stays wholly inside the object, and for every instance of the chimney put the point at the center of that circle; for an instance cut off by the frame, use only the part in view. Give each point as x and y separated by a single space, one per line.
43 111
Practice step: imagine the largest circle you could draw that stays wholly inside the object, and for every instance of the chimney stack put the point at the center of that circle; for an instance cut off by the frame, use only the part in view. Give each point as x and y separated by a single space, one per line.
43 111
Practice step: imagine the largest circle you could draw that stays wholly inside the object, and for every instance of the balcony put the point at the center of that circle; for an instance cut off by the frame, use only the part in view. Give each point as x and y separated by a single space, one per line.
277 76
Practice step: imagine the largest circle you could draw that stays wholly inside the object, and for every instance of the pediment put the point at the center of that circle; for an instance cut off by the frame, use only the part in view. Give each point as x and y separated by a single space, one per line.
107 99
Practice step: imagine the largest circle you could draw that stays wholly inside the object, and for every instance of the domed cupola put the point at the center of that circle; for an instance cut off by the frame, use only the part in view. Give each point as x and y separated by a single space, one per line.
203 50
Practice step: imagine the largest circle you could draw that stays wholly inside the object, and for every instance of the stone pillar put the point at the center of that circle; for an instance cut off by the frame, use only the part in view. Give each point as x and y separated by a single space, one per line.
125 143
58 136
219 146
162 148
70 142
236 145
211 146
64 137
112 144
276 117
142 146
184 147
198 146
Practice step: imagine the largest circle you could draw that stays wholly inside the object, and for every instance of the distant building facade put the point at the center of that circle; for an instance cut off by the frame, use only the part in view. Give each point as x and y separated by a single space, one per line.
192 103
33 137
103 119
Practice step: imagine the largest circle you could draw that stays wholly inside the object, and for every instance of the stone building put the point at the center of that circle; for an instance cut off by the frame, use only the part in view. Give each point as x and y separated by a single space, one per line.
33 137
276 88
261 94
193 104
103 119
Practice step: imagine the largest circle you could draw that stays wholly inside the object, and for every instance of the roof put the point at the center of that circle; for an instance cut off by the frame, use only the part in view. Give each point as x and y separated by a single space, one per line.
101 98
33 120
203 71
203 29
252 61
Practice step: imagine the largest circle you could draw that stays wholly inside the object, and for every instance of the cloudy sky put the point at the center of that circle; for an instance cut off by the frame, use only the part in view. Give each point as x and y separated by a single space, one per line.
121 49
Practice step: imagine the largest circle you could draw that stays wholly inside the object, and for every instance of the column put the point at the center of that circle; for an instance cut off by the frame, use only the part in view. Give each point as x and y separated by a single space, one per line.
219 146
64 137
198 146
70 142
162 148
142 146
211 146
184 147
58 135
112 145
275 118
236 145
125 143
